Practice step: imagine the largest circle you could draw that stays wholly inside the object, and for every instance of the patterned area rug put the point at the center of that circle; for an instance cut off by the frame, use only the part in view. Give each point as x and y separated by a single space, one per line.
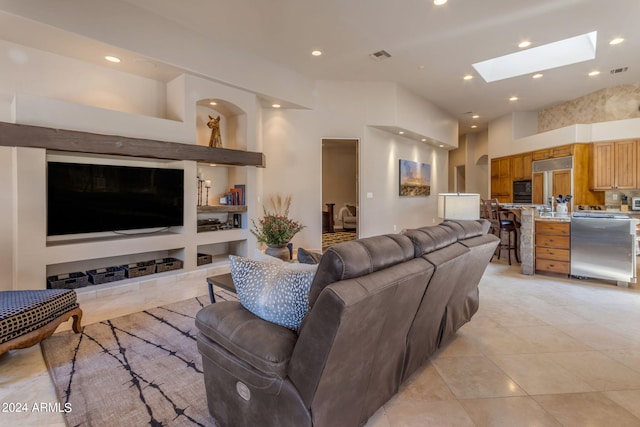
330 239
140 369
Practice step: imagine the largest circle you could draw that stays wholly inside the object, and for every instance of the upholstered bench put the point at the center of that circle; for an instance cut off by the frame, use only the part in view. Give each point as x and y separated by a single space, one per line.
28 317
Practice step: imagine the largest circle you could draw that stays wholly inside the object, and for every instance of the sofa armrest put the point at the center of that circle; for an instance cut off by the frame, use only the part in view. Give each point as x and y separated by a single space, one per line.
263 345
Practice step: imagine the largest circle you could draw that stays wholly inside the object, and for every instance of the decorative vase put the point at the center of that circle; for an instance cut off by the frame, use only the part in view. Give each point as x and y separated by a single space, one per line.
561 209
278 251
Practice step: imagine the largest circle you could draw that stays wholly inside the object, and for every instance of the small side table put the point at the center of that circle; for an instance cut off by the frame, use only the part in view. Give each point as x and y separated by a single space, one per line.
223 281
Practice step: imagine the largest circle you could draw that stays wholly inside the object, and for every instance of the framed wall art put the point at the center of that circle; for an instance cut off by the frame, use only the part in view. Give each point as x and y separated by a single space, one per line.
415 178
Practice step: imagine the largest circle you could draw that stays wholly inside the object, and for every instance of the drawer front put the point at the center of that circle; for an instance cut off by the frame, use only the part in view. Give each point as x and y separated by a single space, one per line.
553 254
551 266
562 242
548 227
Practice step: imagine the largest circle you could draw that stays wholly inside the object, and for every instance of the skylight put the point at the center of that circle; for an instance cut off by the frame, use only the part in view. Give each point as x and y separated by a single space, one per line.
553 55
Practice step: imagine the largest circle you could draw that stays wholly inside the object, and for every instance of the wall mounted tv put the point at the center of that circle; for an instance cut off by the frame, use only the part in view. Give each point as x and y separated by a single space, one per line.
88 198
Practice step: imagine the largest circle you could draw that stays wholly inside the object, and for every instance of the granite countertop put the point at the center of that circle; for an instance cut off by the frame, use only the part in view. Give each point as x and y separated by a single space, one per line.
559 218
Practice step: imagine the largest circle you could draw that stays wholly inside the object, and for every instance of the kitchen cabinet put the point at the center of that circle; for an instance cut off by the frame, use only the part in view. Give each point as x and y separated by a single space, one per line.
615 165
553 152
501 182
553 247
521 166
537 185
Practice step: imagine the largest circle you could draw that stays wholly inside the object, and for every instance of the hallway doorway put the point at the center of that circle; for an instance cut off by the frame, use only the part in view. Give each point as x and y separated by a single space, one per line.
340 207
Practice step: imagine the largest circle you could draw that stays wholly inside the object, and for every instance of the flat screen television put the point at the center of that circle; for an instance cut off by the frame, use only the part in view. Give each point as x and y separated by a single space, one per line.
88 198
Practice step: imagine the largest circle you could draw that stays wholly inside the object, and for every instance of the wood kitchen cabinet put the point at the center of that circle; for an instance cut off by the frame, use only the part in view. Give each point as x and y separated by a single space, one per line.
553 247
615 165
537 186
521 166
505 170
553 152
501 182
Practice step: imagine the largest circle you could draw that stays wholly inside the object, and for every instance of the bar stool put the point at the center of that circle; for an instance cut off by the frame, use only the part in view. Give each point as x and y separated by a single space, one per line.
504 221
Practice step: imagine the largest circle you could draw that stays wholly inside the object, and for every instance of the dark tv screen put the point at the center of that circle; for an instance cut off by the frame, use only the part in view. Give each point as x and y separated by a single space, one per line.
87 198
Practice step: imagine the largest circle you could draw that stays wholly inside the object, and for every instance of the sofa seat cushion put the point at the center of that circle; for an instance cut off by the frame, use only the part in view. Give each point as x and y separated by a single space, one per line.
22 312
264 345
276 292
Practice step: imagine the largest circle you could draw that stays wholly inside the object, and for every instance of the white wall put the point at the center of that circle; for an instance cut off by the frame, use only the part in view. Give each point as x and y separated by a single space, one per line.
292 143
477 166
31 71
7 213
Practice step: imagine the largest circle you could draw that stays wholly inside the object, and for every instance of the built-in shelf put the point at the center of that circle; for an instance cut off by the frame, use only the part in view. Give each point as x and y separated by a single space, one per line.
222 208
14 135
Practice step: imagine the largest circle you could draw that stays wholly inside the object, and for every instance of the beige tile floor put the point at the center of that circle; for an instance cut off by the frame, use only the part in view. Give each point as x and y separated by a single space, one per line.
541 351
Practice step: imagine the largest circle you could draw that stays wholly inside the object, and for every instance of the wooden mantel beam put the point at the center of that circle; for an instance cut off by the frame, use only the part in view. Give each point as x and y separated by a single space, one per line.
14 135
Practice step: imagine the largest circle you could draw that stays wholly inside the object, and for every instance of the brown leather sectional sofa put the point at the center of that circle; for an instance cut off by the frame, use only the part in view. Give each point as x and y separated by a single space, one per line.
379 307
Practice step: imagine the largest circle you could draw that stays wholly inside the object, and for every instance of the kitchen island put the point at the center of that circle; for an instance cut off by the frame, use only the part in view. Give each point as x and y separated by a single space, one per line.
599 245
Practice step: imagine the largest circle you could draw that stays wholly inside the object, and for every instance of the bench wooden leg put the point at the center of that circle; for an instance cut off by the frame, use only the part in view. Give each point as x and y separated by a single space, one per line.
34 337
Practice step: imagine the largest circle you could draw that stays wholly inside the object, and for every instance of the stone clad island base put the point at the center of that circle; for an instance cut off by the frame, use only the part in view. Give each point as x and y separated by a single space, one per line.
379 307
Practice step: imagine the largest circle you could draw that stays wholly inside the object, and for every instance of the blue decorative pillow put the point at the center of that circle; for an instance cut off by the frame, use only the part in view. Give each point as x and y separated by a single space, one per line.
308 257
276 292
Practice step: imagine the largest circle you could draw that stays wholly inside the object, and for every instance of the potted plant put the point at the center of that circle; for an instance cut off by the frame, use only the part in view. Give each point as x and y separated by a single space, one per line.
275 228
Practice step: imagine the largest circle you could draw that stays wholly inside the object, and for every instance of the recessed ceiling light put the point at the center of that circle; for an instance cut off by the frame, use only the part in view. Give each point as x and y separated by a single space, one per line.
523 44
213 103
475 116
594 73
468 77
441 146
439 2
474 126
401 132
537 76
421 67
316 53
513 98
617 40
424 140
275 105
112 58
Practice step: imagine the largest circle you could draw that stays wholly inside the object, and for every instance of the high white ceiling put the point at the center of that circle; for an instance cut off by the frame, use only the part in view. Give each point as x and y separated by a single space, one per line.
431 47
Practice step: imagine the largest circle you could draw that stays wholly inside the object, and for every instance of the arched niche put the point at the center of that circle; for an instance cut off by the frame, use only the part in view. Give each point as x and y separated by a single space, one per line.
233 123
482 160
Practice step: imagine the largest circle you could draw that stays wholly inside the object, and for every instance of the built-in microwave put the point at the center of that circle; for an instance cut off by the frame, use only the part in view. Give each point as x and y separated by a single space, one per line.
635 203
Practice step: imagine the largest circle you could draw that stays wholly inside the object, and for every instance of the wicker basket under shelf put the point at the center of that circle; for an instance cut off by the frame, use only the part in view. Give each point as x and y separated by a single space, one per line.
105 275
68 281
167 264
138 269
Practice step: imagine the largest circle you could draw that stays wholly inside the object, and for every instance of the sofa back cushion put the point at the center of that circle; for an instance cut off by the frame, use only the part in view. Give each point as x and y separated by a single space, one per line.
429 239
465 229
350 352
357 258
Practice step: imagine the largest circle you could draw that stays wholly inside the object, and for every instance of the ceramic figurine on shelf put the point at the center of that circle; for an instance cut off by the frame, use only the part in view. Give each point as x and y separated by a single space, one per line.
216 139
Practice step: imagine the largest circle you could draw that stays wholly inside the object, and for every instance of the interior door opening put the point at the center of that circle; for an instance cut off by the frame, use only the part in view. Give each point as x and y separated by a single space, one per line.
340 196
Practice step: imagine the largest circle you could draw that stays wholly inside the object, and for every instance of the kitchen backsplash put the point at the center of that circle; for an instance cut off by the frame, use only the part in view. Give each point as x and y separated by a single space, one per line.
613 199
